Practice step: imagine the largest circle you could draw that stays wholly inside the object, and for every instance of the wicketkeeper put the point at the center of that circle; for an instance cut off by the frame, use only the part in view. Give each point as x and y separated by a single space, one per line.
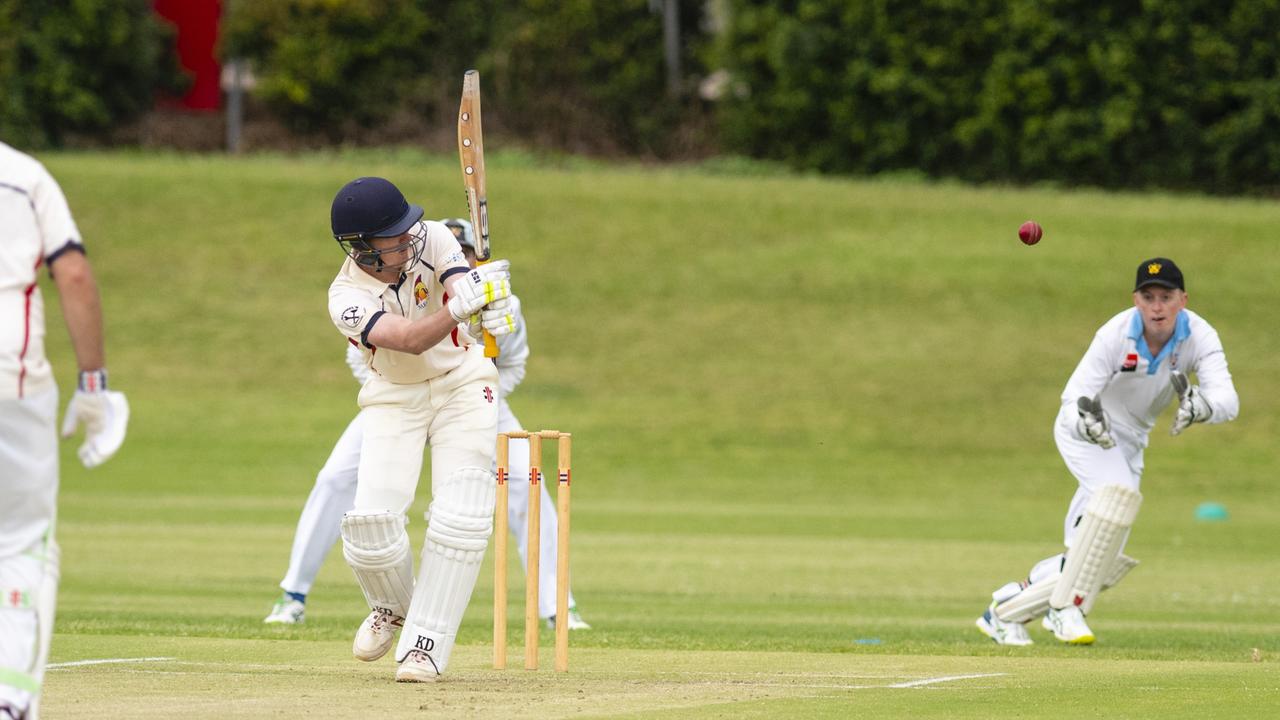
400 297
1137 365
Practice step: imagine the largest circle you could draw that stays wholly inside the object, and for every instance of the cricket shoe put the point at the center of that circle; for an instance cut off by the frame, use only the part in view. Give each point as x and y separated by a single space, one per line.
287 611
1068 625
9 712
376 635
417 666
1002 632
575 621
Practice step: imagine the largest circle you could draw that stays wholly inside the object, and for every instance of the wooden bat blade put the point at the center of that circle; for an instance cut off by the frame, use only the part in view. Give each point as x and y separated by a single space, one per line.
471 154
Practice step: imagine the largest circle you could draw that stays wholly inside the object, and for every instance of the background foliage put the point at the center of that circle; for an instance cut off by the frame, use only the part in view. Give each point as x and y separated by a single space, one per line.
80 67
1111 92
581 74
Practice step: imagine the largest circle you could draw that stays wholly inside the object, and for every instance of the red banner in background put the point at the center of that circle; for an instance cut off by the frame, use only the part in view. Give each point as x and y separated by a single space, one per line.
197 25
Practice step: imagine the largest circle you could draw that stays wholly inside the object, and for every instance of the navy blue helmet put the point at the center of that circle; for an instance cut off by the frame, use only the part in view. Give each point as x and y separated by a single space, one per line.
372 207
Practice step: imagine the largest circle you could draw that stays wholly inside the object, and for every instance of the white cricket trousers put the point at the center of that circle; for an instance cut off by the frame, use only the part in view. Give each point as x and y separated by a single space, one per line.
28 553
456 414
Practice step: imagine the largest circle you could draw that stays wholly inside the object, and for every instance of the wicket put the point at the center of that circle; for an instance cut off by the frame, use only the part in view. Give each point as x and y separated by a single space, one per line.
564 451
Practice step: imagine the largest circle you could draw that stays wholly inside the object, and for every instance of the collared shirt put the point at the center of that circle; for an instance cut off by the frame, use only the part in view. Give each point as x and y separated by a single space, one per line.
35 228
1135 385
357 300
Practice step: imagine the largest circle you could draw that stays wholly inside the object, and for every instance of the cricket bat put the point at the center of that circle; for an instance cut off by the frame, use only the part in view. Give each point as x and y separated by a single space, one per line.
471 153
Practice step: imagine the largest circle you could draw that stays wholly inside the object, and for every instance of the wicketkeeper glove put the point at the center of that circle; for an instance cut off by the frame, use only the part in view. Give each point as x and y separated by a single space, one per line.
105 415
1192 407
1094 425
479 287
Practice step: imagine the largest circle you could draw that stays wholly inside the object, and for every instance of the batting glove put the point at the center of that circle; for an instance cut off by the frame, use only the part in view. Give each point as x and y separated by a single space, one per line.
496 317
1192 407
480 286
1094 425
105 415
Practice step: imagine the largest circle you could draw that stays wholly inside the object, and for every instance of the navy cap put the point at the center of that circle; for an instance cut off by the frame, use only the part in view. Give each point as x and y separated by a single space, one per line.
372 207
1159 271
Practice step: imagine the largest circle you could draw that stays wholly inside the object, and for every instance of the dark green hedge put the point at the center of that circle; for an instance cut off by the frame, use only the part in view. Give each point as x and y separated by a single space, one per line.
1171 93
573 74
79 67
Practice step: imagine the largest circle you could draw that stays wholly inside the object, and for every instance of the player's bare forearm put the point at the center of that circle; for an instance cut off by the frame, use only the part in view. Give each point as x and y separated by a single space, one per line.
81 308
393 332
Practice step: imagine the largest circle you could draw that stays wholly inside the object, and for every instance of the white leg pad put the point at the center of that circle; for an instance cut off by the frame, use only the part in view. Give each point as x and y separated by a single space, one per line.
1023 602
376 547
1119 568
460 521
1096 546
1018 602
29 587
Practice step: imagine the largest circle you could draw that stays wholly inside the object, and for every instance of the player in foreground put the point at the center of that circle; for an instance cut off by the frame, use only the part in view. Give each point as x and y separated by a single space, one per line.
36 228
335 486
401 295
1137 364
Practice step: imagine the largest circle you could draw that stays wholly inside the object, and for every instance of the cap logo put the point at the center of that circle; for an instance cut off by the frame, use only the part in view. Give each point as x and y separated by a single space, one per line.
1154 268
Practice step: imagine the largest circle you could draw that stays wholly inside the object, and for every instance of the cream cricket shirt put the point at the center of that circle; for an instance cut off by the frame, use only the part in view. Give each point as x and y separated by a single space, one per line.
1136 386
35 228
358 300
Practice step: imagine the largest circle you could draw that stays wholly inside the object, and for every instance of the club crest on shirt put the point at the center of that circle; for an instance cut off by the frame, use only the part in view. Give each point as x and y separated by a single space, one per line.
1130 363
352 316
419 292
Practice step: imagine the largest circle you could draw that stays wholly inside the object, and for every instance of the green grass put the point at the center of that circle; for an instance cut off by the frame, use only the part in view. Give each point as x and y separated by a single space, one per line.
807 413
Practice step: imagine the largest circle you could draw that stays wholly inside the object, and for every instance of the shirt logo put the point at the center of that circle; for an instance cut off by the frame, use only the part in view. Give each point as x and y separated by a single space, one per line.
420 292
352 316
488 394
1154 268
1130 363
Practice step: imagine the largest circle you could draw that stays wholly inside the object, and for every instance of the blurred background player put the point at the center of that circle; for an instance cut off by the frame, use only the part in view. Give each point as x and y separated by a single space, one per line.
36 228
1136 365
335 486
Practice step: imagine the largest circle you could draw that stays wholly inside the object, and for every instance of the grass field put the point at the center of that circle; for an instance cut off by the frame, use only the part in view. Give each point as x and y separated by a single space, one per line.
812 433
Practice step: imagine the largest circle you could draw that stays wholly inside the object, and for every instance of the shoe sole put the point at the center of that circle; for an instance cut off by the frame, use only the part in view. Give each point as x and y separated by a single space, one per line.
415 676
372 657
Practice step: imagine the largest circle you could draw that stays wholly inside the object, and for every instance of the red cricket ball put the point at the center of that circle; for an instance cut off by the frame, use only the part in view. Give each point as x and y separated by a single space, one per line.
1030 232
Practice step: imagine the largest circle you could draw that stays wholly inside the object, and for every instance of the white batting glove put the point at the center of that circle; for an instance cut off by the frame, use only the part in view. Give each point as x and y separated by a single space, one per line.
496 317
355 361
1192 407
105 415
1094 425
480 286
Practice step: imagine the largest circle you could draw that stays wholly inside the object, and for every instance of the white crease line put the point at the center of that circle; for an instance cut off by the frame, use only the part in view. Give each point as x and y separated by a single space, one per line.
947 678
109 661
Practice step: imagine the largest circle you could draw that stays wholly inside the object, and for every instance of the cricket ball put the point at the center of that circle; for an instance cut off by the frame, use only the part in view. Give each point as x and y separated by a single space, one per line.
1030 232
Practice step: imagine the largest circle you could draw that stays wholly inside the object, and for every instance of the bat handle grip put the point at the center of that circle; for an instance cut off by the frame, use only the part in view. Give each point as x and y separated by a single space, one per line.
490 345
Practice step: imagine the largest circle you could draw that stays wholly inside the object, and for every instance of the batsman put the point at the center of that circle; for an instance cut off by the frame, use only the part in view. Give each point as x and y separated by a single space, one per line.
403 296
1137 364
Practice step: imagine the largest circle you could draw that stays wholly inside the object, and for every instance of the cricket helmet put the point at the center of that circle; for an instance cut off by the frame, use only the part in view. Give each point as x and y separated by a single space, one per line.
461 230
372 207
